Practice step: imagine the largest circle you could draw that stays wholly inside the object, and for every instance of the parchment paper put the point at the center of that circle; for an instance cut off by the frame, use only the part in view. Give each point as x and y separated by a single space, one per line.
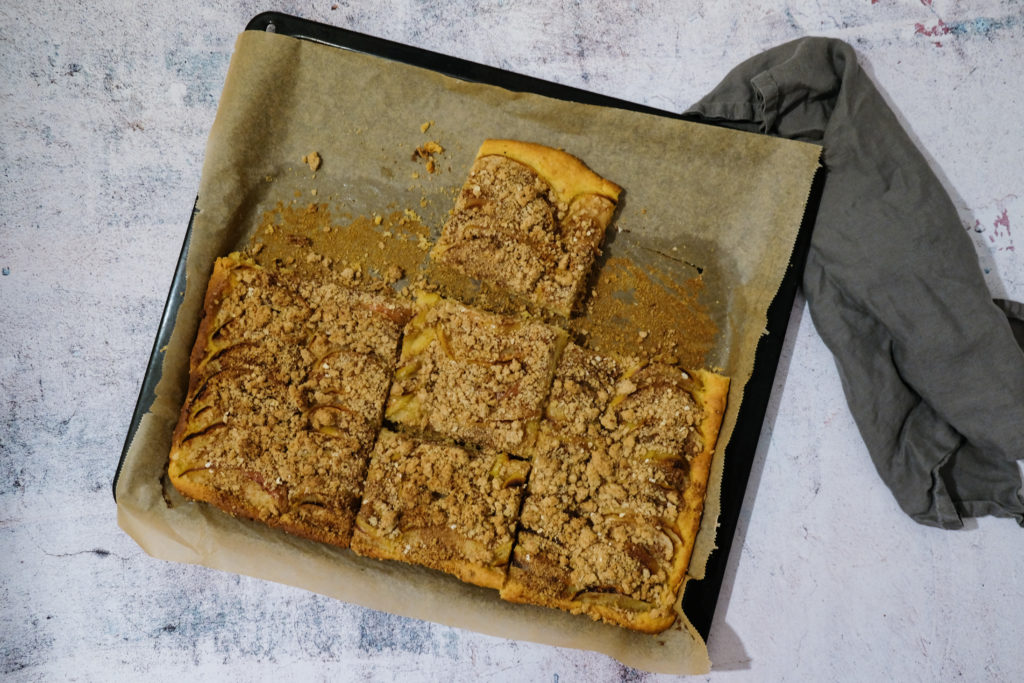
730 202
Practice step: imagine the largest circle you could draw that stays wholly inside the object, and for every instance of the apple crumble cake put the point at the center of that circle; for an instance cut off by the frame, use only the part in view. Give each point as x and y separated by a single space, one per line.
511 458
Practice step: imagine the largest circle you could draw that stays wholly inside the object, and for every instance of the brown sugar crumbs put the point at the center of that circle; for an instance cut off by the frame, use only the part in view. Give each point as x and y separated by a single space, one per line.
635 310
308 241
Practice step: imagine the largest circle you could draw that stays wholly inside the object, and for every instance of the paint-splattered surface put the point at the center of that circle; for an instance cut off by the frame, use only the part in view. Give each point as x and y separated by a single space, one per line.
104 113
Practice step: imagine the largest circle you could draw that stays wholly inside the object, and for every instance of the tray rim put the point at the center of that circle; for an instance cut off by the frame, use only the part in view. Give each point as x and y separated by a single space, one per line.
700 597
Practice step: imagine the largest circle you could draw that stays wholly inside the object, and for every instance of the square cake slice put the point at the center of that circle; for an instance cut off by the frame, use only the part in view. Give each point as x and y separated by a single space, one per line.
472 376
441 506
529 220
614 502
286 393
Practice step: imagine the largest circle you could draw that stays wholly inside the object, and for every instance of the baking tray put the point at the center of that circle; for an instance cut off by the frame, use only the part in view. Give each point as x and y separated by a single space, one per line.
700 597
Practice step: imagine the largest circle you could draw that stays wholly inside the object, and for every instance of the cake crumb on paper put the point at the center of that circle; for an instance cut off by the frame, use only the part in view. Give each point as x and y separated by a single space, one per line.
312 160
426 152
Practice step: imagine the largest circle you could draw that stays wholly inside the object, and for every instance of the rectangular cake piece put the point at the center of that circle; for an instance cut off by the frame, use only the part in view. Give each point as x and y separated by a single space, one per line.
441 506
617 489
472 376
529 220
286 392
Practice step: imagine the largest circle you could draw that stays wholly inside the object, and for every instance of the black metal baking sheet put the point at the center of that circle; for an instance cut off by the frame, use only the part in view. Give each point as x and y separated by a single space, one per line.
701 597
154 368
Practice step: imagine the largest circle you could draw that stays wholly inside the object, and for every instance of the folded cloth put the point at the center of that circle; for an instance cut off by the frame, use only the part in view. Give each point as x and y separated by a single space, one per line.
929 363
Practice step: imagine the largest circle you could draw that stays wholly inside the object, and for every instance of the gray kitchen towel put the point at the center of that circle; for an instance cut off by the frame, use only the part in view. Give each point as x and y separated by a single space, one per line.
931 369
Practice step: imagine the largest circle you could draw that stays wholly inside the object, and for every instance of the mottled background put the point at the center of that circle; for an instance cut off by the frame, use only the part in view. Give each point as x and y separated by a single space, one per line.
104 112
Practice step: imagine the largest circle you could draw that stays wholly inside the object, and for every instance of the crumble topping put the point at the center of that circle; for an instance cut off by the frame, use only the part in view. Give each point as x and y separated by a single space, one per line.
287 394
510 229
473 376
635 408
440 503
610 469
595 523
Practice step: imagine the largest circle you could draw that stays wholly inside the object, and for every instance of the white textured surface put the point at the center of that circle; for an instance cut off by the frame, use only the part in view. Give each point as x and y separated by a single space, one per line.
104 114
